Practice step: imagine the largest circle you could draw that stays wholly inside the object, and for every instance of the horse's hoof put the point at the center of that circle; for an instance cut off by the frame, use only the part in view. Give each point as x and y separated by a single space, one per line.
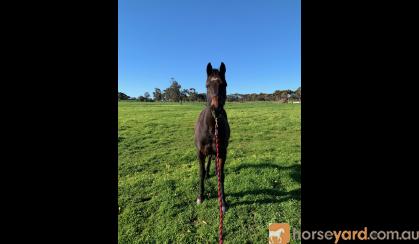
199 200
224 208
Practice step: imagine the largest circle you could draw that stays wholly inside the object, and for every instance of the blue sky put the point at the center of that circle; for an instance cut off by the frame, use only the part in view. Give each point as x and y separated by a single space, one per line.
259 42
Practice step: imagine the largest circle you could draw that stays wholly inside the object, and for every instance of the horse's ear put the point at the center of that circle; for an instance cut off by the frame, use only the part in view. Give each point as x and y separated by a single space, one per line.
209 69
222 68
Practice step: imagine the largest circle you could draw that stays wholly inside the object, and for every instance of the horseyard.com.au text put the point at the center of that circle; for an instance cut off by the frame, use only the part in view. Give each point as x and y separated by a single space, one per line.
280 233
363 234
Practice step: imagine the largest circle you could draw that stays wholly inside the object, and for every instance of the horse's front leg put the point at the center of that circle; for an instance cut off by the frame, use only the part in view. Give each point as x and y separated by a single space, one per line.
207 174
224 202
201 158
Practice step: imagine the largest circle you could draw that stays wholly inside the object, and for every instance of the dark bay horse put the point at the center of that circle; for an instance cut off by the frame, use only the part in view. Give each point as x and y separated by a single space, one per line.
205 129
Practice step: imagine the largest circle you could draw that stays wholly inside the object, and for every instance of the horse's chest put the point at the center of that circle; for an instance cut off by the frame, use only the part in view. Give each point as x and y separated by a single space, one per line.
211 142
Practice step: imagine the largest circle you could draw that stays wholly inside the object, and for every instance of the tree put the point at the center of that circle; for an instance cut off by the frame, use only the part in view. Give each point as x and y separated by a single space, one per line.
192 94
298 93
122 96
184 95
282 95
157 94
261 97
202 97
232 98
146 95
173 93
253 97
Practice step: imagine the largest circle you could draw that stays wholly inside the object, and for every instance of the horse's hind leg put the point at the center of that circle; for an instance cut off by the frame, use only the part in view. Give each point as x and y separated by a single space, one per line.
201 158
207 171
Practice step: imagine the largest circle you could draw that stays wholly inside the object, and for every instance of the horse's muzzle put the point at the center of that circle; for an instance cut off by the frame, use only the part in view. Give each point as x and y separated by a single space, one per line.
214 102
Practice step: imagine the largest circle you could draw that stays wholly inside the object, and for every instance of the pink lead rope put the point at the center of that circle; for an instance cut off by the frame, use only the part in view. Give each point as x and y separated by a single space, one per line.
217 160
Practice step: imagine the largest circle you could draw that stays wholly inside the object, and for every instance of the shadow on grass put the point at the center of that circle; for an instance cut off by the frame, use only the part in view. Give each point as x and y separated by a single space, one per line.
295 170
273 195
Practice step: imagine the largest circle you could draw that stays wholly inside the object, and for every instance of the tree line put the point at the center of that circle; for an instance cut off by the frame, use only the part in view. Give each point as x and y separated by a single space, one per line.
175 93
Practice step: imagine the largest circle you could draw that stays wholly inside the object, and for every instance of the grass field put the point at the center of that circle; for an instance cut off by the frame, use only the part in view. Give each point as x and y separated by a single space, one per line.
158 173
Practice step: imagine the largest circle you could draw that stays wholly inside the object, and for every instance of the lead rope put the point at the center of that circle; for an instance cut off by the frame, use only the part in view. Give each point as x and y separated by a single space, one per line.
217 160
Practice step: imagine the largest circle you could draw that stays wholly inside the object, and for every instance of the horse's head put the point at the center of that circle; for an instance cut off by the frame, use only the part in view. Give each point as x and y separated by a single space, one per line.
216 87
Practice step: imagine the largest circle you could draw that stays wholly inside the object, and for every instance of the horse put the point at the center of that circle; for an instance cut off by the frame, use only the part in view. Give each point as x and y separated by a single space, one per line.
205 129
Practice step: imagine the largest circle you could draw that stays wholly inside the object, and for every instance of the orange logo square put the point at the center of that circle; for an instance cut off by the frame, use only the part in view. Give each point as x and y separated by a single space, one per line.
279 233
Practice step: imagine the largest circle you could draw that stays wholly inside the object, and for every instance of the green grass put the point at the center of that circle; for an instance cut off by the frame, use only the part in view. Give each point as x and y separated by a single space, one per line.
158 173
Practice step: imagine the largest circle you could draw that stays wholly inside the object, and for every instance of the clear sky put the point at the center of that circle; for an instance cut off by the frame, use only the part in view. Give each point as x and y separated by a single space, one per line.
258 40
